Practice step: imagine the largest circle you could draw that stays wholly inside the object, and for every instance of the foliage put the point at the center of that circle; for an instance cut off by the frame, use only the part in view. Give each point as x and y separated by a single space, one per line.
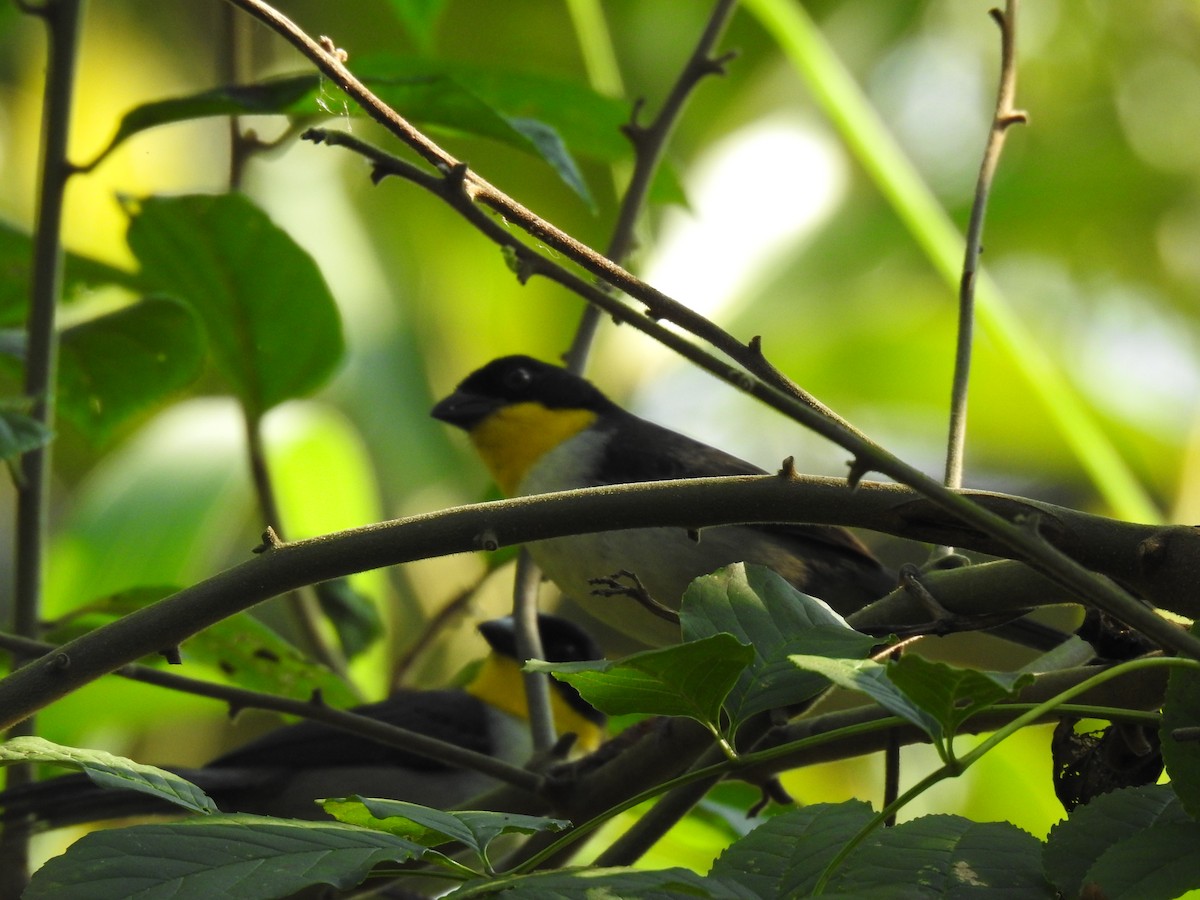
296 323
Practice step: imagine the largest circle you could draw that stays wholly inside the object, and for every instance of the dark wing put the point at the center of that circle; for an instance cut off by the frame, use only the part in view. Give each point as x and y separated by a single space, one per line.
836 565
649 452
452 716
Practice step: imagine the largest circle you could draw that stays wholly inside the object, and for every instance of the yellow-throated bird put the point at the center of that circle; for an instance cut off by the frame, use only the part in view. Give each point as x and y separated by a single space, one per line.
540 428
284 771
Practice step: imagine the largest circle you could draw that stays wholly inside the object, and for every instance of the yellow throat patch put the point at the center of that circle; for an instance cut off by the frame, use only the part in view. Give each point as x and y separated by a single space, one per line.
498 683
513 438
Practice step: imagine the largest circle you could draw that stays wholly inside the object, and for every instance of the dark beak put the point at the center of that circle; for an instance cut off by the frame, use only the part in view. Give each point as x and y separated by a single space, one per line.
465 410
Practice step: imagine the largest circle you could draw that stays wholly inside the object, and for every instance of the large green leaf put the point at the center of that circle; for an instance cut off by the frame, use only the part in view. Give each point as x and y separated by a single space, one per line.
691 679
548 117
1105 825
109 771
237 856
765 612
272 325
121 365
946 856
784 856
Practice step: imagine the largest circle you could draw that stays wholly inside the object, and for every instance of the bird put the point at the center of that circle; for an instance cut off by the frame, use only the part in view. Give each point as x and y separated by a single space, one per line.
284 771
540 428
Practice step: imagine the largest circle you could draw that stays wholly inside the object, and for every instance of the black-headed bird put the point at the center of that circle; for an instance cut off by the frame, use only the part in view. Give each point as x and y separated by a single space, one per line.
283 772
540 428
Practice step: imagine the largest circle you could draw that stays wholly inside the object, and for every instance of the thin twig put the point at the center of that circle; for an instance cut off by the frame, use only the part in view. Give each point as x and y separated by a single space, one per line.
1005 115
529 646
649 142
344 720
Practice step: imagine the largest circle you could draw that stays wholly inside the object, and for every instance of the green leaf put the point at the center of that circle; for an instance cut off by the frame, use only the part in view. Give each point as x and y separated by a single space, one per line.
606 884
784 856
431 827
238 856
109 771
1181 709
1086 837
272 325
272 95
946 856
951 694
124 364
935 697
245 650
871 678
765 612
16 261
689 679
1160 863
539 115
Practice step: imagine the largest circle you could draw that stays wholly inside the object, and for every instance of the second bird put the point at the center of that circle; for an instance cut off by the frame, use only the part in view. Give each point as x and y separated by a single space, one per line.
540 428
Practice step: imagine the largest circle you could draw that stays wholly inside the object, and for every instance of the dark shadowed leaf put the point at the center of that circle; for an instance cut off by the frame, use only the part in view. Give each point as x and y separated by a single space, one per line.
237 856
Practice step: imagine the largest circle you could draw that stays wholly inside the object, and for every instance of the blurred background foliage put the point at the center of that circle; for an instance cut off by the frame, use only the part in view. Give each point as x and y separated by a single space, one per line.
1092 237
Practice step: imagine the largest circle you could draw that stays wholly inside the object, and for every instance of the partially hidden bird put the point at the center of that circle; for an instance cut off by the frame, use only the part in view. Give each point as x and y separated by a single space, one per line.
286 770
539 428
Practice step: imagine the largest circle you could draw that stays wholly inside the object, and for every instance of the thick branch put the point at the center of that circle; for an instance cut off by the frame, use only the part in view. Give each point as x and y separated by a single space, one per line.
1153 559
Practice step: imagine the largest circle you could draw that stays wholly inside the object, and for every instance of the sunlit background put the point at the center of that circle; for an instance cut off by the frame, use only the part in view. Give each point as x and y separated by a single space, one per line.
1092 238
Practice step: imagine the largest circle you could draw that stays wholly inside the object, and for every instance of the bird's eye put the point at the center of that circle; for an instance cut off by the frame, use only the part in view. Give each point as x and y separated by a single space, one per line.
518 379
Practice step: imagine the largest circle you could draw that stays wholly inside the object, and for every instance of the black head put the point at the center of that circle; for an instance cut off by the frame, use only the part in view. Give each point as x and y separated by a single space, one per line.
562 640
517 379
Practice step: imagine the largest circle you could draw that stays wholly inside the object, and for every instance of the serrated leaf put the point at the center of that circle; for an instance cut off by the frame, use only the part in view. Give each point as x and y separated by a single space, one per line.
691 679
607 884
1181 709
1160 863
237 856
272 326
765 612
871 678
109 771
946 856
949 693
784 856
124 364
1075 844
430 827
16 260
